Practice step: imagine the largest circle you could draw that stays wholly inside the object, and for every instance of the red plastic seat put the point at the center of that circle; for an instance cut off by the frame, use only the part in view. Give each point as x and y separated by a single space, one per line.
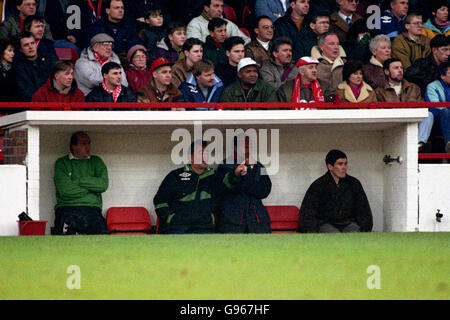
67 54
128 220
245 13
230 14
283 219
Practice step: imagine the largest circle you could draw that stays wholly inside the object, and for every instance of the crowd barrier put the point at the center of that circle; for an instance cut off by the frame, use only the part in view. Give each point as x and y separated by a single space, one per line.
217 106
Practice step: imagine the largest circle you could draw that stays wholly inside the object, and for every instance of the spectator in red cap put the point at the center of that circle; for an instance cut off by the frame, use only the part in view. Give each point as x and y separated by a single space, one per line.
138 74
306 87
160 89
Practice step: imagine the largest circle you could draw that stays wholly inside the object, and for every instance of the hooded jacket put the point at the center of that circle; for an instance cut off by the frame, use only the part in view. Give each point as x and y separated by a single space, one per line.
430 30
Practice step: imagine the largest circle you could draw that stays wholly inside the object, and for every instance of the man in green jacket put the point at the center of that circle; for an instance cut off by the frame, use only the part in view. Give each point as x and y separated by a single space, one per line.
248 88
187 196
80 179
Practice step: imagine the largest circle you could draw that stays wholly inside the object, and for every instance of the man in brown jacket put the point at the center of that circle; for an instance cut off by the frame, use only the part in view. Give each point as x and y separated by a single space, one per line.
160 89
342 19
411 45
193 52
259 49
331 58
398 89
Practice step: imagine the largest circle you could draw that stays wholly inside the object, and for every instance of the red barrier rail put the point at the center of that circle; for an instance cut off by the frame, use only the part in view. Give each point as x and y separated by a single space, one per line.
218 106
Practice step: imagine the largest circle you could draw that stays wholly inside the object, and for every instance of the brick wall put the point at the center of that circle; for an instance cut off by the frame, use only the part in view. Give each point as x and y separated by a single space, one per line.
15 146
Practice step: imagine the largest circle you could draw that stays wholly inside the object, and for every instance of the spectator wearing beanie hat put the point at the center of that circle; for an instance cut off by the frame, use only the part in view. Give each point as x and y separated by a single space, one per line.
138 74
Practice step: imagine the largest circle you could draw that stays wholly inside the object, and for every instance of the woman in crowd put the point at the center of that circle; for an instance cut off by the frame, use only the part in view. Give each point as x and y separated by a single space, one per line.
353 88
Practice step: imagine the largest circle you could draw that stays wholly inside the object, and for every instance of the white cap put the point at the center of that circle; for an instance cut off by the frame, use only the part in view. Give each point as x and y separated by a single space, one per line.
245 62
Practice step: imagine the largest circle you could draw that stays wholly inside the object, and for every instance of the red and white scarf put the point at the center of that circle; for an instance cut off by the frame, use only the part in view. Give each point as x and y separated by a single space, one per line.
115 93
99 59
316 91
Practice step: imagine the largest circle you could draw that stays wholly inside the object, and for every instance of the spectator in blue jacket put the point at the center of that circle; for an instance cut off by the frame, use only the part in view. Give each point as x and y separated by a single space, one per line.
123 32
202 85
439 91
273 9
392 20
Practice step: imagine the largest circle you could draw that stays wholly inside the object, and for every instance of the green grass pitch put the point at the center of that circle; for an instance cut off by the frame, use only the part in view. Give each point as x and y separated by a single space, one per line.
227 267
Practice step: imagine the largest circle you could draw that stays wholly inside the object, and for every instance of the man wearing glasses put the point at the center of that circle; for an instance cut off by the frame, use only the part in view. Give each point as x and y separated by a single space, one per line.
14 23
88 68
411 45
258 49
342 20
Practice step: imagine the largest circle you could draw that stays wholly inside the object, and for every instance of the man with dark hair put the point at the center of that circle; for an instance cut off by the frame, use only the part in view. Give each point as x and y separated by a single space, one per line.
193 52
36 26
170 47
291 23
123 32
392 19
259 48
32 68
411 45
280 68
397 89
248 88
213 49
88 68
198 27
14 23
111 88
60 87
186 197
308 37
342 20
336 202
80 179
424 70
235 51
241 208
438 23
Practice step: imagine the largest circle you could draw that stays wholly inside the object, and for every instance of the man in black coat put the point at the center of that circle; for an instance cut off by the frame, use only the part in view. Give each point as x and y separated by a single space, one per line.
111 88
241 209
425 70
336 202
32 68
293 21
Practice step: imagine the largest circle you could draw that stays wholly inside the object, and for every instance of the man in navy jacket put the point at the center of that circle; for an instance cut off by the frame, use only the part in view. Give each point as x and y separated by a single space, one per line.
202 85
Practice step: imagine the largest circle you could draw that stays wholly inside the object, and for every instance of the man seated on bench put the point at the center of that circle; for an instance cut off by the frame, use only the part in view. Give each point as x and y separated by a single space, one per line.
335 202
80 179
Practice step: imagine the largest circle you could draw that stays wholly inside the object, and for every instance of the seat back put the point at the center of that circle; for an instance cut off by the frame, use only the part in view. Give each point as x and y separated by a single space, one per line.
67 54
128 220
245 31
230 14
283 219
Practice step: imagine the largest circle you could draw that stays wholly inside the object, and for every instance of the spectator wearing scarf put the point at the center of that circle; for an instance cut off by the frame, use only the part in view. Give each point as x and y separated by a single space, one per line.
306 87
88 68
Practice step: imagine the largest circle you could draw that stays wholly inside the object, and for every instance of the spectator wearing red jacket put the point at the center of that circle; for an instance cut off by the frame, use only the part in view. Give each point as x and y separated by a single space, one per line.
60 87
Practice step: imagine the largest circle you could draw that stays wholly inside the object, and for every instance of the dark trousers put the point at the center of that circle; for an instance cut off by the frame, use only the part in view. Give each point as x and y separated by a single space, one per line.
79 220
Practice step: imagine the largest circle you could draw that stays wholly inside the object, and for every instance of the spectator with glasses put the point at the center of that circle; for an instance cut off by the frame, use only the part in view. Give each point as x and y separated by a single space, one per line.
411 45
138 74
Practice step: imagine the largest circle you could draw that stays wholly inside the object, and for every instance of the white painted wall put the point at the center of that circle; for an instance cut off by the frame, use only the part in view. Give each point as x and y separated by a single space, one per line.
137 163
12 197
434 189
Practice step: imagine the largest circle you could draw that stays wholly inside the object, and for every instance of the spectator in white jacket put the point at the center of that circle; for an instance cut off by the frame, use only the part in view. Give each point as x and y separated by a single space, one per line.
198 27
88 68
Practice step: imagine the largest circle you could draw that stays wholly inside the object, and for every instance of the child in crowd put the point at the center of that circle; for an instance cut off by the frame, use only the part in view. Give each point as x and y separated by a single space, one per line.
170 47
155 30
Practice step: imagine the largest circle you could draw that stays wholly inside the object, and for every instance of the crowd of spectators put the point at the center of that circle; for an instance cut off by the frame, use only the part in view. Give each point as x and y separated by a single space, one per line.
267 51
